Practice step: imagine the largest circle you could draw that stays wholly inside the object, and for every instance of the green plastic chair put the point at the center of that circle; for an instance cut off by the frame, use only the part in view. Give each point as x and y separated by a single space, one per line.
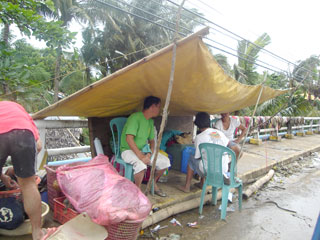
214 175
213 122
119 123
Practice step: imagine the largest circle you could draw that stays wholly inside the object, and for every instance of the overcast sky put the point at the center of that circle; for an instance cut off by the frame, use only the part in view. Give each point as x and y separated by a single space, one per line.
293 25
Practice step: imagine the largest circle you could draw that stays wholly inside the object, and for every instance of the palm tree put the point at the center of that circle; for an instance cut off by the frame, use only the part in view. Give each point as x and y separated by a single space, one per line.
65 11
223 62
89 51
307 73
248 54
125 33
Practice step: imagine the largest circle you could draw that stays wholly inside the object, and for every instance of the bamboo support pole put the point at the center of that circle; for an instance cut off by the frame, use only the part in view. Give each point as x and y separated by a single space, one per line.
166 106
177 208
258 184
254 112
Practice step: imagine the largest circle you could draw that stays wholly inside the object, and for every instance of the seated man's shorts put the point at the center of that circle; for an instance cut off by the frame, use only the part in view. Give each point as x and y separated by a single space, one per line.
232 144
21 146
130 157
194 164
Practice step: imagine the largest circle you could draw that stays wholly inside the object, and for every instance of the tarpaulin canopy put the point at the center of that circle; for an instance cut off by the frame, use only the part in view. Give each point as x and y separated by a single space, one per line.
200 84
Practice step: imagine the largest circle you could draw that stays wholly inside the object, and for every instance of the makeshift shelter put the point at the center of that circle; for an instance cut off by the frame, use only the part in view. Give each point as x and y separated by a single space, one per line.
200 84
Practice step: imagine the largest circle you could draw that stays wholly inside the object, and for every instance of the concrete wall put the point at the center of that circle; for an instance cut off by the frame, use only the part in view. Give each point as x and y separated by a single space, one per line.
183 124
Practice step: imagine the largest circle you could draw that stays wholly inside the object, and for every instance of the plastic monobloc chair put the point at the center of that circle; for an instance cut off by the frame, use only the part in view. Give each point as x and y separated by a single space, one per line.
119 123
214 176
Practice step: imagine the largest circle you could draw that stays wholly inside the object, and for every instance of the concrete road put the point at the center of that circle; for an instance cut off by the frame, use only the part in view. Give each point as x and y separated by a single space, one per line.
285 208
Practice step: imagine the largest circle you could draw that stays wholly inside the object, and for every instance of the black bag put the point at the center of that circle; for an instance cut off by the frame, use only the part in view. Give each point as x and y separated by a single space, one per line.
11 213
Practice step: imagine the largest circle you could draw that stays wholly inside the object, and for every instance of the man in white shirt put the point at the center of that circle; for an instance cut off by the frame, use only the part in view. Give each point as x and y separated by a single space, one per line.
206 135
228 125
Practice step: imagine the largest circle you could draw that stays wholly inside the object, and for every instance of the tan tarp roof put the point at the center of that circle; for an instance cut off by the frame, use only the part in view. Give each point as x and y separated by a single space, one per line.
200 84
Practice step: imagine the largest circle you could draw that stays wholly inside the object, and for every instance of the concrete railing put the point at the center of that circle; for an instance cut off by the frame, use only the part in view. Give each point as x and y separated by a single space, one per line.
278 128
58 123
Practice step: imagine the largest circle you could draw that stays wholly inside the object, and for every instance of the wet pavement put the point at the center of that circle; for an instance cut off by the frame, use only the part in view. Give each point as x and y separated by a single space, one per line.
257 215
285 208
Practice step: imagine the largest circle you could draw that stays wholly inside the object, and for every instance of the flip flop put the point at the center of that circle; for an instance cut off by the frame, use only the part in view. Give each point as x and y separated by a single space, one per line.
160 193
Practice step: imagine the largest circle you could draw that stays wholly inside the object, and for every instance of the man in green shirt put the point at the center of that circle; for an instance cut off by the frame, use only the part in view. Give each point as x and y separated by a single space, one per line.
137 132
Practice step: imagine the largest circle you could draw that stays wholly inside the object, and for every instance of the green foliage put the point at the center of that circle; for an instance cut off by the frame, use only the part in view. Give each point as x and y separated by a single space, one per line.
248 54
24 15
286 105
277 81
223 62
307 74
21 13
126 38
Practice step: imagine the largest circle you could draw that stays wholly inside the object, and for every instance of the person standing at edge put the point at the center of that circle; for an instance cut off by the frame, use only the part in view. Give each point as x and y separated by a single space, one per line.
19 138
228 125
137 132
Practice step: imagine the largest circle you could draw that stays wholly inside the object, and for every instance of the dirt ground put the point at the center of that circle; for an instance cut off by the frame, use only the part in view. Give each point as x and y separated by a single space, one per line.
285 208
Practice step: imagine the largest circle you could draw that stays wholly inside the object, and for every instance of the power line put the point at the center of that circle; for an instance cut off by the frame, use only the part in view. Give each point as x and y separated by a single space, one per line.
246 55
235 55
151 14
257 46
171 29
148 20
209 38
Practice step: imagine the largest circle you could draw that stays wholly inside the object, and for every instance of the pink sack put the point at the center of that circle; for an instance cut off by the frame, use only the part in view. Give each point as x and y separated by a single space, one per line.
96 188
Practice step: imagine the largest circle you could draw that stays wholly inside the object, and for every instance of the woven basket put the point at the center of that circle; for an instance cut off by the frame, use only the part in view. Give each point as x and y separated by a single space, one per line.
123 231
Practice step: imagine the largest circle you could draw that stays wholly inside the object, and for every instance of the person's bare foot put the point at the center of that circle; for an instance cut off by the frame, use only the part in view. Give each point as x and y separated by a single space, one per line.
184 189
37 234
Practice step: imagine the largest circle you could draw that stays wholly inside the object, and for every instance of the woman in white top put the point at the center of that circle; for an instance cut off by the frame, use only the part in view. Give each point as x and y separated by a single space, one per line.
228 125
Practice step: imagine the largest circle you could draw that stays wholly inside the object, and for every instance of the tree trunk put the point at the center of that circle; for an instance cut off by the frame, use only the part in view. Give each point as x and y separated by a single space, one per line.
5 32
5 39
88 75
57 74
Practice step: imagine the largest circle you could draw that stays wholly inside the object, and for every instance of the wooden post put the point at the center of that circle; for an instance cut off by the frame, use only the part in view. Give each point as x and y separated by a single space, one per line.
300 124
310 131
318 127
254 187
166 106
275 134
289 134
257 141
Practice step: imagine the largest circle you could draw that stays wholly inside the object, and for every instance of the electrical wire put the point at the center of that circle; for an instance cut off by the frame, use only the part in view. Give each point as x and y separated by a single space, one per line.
246 55
171 29
103 2
148 20
235 55
217 30
151 14
257 46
